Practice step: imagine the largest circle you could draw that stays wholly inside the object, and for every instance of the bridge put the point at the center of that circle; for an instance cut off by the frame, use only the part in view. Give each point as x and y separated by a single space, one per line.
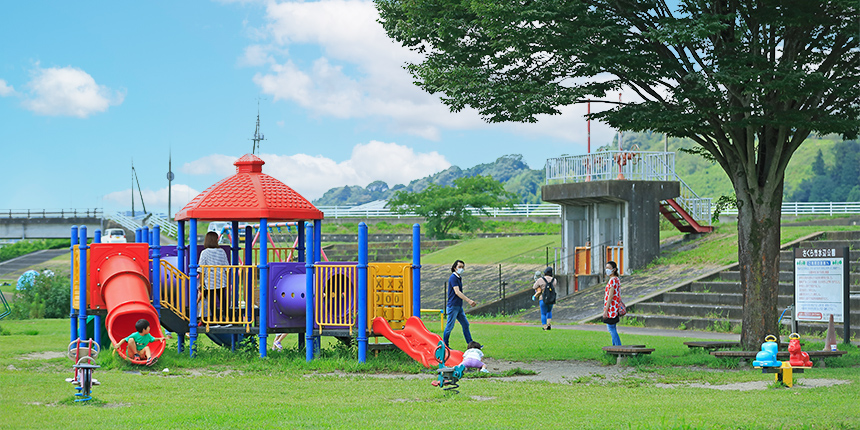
17 224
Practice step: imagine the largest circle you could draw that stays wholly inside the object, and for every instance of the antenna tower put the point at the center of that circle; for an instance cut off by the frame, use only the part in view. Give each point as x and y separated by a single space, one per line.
258 137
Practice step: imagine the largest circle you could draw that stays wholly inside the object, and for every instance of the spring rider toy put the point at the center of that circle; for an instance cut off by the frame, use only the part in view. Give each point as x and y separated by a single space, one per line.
797 358
448 376
767 356
83 353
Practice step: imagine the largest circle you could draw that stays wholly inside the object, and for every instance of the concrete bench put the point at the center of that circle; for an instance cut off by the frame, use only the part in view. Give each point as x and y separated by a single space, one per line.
623 351
781 355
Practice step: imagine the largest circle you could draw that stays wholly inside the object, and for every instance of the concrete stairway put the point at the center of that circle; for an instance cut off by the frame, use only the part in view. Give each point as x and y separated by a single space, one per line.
717 301
383 252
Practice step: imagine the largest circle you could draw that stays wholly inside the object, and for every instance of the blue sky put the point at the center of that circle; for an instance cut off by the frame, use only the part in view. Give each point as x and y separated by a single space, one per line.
85 88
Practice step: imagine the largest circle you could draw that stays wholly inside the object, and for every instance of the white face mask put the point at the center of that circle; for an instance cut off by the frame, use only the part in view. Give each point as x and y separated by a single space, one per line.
609 272
460 271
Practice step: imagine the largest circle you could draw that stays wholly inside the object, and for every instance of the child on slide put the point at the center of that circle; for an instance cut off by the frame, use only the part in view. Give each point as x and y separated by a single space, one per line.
473 356
138 343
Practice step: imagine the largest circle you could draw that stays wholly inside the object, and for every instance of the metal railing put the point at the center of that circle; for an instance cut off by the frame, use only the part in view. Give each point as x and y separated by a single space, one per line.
51 213
230 297
335 295
125 221
524 210
632 165
167 228
812 208
174 290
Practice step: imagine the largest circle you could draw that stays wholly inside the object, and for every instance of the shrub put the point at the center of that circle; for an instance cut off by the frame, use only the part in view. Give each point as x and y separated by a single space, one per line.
46 297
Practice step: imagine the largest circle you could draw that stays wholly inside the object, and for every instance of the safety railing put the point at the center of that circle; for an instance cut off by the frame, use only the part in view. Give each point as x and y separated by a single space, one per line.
522 210
228 295
174 290
335 295
274 255
811 208
632 165
167 227
125 221
390 291
51 213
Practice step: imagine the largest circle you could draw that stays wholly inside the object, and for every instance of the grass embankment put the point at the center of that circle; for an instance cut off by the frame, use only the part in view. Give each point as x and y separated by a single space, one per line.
513 250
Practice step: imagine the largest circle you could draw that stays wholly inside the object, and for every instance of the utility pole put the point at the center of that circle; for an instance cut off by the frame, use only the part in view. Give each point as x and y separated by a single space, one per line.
258 137
132 187
169 184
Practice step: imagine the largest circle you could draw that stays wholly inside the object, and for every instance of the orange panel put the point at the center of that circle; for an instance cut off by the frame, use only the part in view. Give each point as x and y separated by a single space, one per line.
99 254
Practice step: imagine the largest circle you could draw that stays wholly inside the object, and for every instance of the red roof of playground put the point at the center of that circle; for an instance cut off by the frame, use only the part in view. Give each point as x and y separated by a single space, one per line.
249 195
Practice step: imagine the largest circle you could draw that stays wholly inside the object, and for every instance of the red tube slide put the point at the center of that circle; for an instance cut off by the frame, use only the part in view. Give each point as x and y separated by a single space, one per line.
125 289
416 341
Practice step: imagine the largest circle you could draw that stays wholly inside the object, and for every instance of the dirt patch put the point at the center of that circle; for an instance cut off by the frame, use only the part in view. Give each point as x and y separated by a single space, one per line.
47 355
761 385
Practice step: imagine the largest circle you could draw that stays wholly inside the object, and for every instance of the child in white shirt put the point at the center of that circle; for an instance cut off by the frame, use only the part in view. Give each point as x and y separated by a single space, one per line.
473 356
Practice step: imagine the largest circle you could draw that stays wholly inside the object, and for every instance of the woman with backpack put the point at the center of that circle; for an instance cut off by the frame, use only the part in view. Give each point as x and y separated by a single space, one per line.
545 291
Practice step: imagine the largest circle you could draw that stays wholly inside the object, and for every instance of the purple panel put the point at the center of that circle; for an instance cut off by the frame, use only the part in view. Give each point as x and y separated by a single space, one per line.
287 293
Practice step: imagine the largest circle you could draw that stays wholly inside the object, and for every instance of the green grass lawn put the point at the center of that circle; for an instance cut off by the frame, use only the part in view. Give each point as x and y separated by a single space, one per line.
220 389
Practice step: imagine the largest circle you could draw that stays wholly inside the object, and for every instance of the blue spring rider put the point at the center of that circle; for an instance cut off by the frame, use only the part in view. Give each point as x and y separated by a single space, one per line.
767 356
448 376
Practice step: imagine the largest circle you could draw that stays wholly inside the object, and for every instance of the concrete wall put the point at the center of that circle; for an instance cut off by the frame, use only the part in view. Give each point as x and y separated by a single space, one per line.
601 213
46 228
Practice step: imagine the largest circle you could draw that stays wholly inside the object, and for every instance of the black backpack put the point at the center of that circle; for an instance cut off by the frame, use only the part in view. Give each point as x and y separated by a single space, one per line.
549 294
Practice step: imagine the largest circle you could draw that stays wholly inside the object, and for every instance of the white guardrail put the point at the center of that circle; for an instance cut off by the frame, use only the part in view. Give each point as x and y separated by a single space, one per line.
811 208
523 210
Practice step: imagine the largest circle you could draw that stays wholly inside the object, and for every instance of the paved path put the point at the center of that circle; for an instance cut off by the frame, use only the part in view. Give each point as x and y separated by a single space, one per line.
15 267
638 331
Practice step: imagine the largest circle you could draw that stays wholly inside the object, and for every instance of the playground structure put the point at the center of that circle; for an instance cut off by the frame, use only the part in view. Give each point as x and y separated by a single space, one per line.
266 292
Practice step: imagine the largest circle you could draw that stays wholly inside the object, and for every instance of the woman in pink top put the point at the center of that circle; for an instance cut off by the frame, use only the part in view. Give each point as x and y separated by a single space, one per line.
612 302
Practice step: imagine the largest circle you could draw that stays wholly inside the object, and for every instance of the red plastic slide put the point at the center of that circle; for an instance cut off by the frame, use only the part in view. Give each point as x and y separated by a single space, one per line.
125 289
416 341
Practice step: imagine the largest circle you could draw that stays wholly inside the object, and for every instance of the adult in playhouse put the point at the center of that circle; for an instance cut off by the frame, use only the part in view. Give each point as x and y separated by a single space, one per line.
454 307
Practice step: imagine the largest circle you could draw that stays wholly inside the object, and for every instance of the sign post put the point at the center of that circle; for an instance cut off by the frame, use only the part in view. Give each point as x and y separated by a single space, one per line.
821 286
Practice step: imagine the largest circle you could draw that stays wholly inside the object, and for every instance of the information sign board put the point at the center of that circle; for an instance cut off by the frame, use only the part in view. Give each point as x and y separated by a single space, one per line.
819 284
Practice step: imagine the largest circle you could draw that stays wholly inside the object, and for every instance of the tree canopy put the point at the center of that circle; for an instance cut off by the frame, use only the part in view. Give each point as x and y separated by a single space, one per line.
446 208
747 81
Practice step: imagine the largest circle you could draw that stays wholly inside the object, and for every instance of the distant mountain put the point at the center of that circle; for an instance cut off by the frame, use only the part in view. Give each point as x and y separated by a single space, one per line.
705 178
511 170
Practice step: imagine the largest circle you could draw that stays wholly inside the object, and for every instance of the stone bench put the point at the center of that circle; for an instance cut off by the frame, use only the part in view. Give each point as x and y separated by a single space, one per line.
623 351
781 355
712 345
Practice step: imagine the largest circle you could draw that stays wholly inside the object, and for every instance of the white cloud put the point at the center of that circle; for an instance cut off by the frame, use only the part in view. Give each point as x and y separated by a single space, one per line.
5 89
311 176
68 91
180 195
360 74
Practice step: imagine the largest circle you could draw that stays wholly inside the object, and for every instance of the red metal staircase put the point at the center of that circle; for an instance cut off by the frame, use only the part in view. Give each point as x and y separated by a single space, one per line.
681 219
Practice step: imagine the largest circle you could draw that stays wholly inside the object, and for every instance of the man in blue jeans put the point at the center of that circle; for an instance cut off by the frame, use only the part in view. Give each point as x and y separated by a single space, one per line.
454 308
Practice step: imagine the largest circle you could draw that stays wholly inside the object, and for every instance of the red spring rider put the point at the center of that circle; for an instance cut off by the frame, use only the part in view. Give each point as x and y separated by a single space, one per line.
797 358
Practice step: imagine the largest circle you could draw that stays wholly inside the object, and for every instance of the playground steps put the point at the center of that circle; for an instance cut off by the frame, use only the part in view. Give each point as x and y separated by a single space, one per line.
717 301
682 220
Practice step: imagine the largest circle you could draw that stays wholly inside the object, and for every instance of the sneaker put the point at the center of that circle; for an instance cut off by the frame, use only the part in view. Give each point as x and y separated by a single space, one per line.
278 346
96 382
150 361
485 371
549 327
136 357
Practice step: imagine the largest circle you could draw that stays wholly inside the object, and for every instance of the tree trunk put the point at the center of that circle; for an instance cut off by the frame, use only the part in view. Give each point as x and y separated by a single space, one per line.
759 212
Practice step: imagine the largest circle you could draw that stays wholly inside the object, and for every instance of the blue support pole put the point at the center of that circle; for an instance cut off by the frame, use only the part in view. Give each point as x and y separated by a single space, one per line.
300 246
144 235
416 270
362 292
137 235
156 269
73 314
97 319
249 240
180 248
264 293
309 294
82 283
192 287
317 240
234 243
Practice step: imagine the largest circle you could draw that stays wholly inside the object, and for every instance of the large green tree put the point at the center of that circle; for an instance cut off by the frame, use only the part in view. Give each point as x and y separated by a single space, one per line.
448 207
746 80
